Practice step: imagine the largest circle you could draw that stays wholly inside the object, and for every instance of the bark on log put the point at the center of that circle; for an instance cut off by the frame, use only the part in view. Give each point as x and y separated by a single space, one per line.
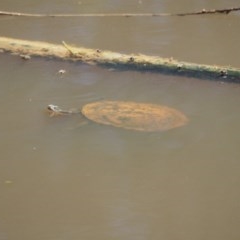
25 49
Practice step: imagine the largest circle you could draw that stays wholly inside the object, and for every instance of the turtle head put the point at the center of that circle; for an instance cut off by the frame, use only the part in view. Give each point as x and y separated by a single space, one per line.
54 110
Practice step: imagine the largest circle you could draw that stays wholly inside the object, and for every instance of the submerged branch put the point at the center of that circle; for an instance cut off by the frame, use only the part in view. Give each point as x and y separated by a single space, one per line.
117 60
203 11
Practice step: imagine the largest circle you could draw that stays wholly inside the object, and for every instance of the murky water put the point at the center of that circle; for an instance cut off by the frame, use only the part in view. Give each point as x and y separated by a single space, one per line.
65 178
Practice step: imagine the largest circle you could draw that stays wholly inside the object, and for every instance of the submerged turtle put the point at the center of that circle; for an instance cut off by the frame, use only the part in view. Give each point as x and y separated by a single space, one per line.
128 115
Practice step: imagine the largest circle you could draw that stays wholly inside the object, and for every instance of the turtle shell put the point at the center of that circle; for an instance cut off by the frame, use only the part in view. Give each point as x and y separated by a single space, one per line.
135 116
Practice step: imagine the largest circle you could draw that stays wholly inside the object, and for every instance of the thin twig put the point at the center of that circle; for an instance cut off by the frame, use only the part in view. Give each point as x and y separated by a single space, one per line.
203 11
68 48
213 11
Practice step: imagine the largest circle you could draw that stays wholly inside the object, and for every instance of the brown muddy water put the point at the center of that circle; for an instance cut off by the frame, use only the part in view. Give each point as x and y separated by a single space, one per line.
62 179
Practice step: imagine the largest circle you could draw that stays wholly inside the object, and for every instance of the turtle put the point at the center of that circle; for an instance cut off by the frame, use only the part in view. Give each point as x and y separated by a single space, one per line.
143 117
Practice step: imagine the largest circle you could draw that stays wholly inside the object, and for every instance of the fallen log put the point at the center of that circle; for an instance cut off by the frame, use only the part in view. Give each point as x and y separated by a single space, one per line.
25 49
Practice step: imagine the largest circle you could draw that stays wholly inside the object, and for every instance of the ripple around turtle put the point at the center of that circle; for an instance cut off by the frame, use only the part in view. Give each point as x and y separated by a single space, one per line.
76 101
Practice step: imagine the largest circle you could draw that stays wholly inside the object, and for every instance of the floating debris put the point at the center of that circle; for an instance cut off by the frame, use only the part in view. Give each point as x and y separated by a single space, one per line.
25 57
62 71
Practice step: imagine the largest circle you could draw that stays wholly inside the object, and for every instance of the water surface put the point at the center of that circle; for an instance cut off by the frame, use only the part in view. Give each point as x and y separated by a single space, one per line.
65 178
